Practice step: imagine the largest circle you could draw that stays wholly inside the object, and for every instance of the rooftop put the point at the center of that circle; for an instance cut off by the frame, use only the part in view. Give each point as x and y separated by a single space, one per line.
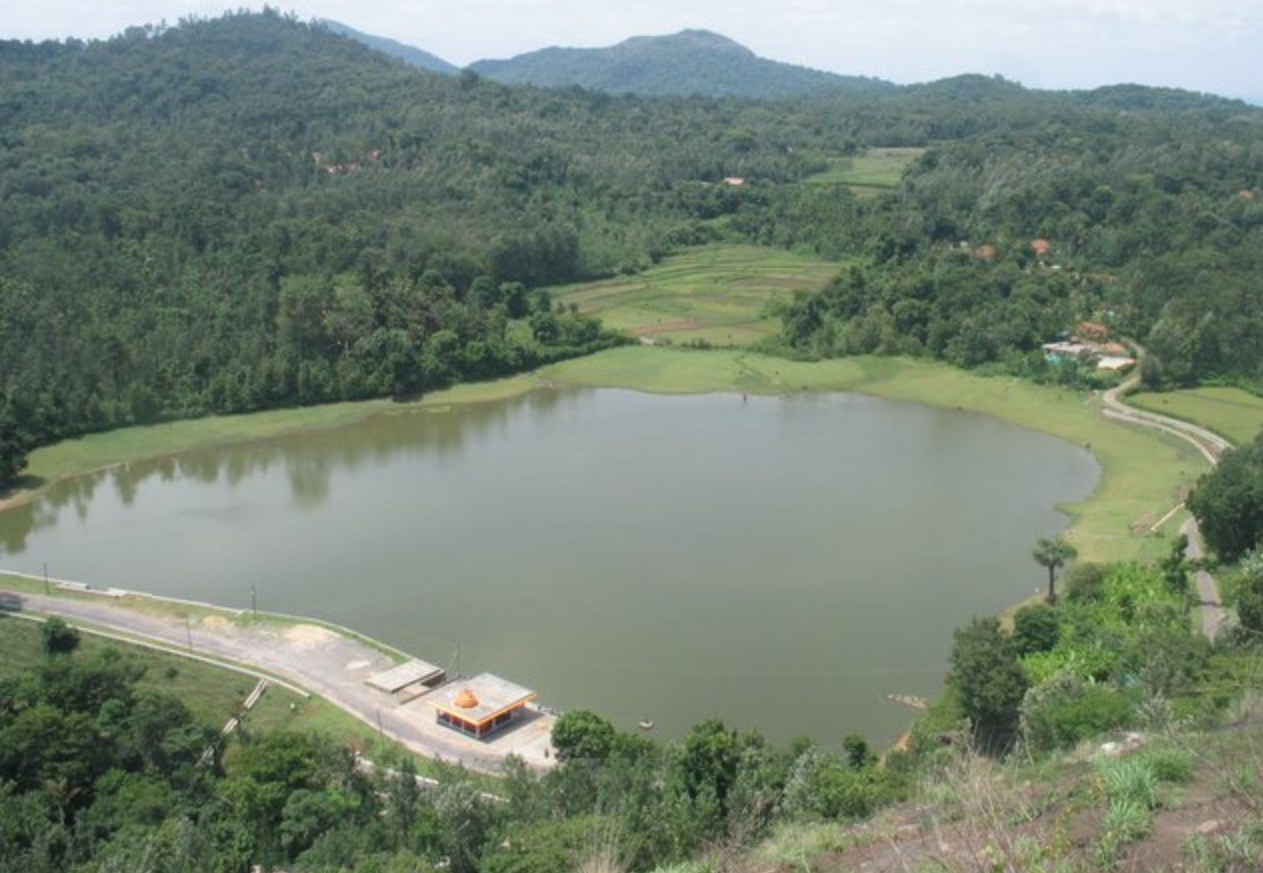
400 677
479 699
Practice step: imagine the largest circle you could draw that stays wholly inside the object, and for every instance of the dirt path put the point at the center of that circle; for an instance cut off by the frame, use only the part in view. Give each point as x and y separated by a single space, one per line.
316 658
1212 446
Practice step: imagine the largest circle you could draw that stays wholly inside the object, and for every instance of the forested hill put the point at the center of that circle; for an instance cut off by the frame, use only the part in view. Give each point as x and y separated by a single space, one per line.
408 54
251 212
692 62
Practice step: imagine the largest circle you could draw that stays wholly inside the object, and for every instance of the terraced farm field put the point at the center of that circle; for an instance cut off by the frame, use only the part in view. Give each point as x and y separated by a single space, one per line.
878 169
718 294
1230 412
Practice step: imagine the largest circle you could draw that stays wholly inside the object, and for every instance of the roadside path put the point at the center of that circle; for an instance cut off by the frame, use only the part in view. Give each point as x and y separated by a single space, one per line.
1207 590
1212 446
315 658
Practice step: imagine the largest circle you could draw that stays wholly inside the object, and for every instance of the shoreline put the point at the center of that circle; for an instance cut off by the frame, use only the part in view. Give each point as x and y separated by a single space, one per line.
308 656
667 372
1142 474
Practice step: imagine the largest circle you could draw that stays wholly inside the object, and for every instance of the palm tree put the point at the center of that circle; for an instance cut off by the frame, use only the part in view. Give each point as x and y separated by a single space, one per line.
1053 554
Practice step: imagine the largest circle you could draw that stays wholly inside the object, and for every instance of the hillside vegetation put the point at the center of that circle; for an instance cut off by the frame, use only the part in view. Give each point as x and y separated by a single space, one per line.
104 766
410 55
249 212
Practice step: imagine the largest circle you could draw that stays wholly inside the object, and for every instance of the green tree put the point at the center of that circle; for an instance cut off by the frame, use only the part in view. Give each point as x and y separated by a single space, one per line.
15 442
58 638
985 671
1035 629
858 755
1175 567
1250 591
581 734
1084 582
1053 554
1228 502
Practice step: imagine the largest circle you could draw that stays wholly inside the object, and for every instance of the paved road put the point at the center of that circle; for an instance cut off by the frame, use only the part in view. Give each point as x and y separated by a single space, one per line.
1207 590
1212 446
316 658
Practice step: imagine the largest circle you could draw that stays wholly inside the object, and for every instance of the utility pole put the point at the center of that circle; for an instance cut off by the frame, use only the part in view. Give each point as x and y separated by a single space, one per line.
254 601
188 632
48 589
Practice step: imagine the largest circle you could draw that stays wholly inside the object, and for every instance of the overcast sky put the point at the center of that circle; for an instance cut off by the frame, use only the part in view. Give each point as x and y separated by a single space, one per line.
1205 45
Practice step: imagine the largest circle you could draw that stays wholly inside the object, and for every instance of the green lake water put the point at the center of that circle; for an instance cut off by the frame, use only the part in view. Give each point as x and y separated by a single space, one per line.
784 563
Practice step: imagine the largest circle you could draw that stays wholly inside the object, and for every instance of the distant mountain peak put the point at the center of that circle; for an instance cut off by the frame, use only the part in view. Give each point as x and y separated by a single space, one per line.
690 62
693 38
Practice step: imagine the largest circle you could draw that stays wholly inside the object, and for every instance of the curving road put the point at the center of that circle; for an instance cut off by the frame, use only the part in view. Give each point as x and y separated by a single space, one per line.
1212 447
317 659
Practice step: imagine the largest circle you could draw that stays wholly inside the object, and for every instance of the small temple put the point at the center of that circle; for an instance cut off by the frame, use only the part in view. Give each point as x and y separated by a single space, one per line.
480 706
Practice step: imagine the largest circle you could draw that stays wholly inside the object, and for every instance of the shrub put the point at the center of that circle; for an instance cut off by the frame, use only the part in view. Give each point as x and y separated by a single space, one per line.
1084 582
843 793
1035 629
1129 778
1169 764
58 637
1249 593
1065 711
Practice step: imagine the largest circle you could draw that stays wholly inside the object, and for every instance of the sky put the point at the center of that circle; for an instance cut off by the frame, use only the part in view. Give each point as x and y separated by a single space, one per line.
1202 45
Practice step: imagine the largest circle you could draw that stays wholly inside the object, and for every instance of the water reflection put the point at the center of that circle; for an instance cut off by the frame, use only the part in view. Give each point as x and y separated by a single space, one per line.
308 460
671 557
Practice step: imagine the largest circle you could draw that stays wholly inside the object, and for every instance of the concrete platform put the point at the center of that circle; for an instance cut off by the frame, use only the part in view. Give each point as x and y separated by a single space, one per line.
414 672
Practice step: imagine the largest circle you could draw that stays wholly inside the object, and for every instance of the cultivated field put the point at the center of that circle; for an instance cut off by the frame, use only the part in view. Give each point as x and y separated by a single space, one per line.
1230 412
876 170
717 294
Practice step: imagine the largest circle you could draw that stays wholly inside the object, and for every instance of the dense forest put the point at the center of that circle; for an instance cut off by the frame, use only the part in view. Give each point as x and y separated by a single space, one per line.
1151 223
252 212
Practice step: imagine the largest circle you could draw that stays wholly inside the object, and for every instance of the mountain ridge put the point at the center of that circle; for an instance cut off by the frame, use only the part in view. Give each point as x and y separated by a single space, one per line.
405 52
691 62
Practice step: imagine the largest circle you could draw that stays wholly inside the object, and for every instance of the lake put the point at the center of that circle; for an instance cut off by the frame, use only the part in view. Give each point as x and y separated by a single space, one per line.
784 563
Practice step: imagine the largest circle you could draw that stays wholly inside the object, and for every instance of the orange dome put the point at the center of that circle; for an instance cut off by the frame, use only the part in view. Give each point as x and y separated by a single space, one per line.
466 699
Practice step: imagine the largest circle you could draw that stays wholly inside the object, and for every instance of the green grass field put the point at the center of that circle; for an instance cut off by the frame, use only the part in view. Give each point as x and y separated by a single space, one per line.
718 294
878 169
1230 412
1144 474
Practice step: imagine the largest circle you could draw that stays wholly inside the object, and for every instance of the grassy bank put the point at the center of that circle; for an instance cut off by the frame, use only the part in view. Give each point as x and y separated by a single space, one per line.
99 451
1144 474
1230 412
718 294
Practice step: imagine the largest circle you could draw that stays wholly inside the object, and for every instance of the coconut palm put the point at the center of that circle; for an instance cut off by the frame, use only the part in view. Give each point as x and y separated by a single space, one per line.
1053 553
